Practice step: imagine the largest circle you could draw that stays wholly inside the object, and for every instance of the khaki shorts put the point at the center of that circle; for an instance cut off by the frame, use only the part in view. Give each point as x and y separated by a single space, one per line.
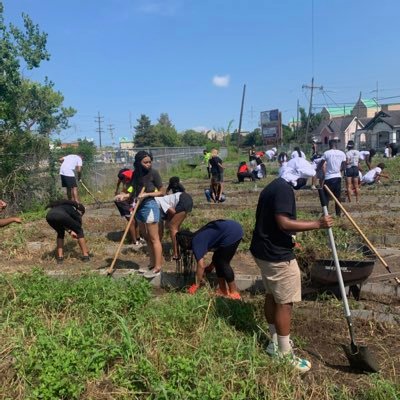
281 279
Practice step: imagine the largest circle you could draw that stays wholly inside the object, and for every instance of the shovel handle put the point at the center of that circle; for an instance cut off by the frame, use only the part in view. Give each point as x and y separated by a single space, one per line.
358 229
111 269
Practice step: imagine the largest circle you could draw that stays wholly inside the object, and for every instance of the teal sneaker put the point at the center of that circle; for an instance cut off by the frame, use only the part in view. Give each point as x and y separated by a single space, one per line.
272 349
300 364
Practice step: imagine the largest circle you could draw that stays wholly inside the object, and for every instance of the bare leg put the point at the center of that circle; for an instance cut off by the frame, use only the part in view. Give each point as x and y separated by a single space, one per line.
155 245
174 225
75 196
69 193
83 246
279 315
356 189
349 188
60 247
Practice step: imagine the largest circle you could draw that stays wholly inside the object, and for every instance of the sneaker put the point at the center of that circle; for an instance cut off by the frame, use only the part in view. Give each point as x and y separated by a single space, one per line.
85 258
59 260
234 296
193 288
300 364
313 187
152 274
145 270
272 349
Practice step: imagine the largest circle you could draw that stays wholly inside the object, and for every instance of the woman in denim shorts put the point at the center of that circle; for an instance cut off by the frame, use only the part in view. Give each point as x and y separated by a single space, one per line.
148 213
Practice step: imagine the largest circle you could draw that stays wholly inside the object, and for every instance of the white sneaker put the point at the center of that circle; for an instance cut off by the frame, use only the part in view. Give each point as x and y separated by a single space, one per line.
272 349
152 274
300 364
144 270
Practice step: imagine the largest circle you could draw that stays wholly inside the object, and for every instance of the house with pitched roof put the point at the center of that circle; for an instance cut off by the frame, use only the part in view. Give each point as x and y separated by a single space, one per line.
383 128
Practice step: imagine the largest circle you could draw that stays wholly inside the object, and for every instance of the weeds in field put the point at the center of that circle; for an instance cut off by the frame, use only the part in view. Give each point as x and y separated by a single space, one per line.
62 337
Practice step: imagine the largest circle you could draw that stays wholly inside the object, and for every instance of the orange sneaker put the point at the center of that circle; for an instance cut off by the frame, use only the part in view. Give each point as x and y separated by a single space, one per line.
193 288
221 293
234 296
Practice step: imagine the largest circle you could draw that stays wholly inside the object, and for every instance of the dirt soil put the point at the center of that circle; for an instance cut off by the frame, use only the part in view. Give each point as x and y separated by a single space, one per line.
319 327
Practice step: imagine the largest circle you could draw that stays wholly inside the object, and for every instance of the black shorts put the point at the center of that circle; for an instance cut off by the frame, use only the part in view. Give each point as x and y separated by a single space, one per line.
68 181
185 203
351 172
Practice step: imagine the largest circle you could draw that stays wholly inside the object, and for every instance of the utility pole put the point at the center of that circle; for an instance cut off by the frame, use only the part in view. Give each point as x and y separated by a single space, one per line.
241 115
312 87
99 119
297 121
111 130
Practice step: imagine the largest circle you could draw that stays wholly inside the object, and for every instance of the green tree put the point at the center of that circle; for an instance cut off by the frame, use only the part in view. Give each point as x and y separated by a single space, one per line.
29 111
193 138
166 136
165 121
315 120
144 132
253 138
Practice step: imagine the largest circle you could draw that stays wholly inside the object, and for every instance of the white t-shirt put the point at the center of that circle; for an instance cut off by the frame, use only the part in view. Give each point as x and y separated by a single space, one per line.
334 159
69 164
259 171
352 158
168 201
387 152
297 168
369 177
363 154
295 154
270 154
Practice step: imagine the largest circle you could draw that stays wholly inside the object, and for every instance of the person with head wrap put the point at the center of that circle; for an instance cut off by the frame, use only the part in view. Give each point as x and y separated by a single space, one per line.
272 248
148 214
66 215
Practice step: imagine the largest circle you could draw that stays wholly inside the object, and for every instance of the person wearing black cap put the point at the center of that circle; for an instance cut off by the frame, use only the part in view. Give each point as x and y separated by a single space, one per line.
148 213
352 171
66 215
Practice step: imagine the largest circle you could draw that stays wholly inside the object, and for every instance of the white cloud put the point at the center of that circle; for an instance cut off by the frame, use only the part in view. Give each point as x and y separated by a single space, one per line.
221 81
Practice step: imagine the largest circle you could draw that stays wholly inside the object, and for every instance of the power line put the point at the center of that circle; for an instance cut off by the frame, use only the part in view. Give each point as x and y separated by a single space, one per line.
99 119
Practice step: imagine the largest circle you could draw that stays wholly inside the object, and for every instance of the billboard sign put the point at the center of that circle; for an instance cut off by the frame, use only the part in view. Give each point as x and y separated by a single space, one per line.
271 125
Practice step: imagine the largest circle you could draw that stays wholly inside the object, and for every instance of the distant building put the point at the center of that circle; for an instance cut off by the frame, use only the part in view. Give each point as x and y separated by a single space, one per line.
383 128
126 144
72 144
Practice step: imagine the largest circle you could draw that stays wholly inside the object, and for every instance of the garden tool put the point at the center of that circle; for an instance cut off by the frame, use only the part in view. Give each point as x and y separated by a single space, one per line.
111 269
97 201
358 229
359 356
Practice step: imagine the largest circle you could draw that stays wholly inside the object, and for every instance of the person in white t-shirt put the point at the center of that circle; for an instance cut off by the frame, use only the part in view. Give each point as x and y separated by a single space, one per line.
174 209
388 151
69 165
298 153
366 155
335 162
271 154
352 171
374 175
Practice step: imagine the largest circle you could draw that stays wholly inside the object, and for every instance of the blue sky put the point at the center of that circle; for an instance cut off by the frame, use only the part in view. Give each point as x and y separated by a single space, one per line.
191 58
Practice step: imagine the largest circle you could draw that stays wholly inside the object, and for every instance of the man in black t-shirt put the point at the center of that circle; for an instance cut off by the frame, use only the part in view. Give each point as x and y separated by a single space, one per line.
272 248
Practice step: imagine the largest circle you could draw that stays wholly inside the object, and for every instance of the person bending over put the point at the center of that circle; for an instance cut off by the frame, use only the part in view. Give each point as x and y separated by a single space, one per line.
174 209
175 185
214 192
222 237
374 175
66 215
244 172
69 165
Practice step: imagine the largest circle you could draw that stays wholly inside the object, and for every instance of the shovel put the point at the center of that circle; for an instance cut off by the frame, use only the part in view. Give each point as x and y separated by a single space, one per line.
97 201
359 356
358 229
111 268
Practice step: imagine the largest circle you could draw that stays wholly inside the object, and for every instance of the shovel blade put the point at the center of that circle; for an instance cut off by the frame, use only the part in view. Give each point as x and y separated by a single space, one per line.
361 358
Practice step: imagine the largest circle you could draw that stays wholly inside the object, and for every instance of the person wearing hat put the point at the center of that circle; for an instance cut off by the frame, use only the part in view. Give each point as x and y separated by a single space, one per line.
352 171
66 216
272 248
335 163
148 213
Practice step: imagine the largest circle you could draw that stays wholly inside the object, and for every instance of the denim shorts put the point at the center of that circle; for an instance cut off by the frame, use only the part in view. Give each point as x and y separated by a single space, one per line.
148 212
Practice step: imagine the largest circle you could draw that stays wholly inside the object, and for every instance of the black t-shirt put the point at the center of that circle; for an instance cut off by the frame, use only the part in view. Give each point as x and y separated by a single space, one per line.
151 181
269 242
215 168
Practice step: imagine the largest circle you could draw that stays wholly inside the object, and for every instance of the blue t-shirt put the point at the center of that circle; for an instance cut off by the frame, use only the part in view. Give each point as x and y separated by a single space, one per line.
215 234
